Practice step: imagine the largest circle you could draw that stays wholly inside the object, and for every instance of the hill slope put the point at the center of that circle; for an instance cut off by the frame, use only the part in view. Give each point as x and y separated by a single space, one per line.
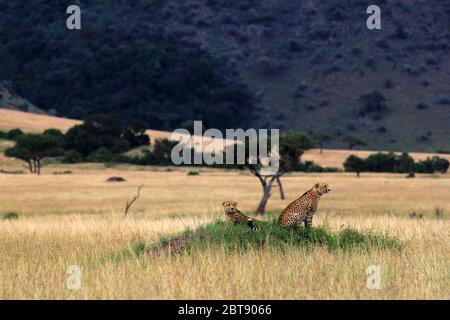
10 100
307 64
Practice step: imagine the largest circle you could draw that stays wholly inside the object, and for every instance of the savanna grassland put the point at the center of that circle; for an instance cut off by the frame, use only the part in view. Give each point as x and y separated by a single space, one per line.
77 219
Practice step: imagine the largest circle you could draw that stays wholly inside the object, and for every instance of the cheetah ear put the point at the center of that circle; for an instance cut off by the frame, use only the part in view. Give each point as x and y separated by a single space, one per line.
223 203
317 185
234 203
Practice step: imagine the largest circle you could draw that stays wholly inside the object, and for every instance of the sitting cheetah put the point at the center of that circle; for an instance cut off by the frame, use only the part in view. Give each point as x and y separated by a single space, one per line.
303 208
234 215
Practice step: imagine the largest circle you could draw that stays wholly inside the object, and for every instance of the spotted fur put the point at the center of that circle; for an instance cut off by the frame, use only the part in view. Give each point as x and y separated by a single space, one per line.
234 215
303 208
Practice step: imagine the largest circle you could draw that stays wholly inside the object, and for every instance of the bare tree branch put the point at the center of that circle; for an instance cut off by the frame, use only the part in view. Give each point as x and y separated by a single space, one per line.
266 195
128 204
280 186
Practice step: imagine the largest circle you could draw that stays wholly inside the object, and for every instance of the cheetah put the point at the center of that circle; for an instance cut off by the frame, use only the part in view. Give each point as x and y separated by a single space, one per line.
303 208
234 215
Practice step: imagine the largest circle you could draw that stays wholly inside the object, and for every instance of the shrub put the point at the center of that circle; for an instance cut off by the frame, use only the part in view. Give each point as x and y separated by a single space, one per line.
389 162
269 66
400 33
388 84
14 134
382 129
421 106
10 215
100 155
62 172
12 171
72 156
354 141
439 164
193 173
310 166
444 101
354 164
381 162
373 102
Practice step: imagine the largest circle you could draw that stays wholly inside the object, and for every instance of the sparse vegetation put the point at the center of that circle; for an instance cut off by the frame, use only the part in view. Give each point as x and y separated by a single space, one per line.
63 172
11 171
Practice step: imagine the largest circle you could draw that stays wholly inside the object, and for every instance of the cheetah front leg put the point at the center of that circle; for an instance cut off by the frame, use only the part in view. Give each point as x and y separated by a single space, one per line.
309 219
308 222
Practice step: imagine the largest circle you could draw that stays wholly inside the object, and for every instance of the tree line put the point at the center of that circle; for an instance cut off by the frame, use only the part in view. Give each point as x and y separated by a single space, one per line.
108 138
100 138
390 162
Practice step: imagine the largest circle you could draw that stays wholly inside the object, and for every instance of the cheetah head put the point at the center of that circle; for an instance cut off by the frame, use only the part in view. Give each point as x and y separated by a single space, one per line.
322 188
229 206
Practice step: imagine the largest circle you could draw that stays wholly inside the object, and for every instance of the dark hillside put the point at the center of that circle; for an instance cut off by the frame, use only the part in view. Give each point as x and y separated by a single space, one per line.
309 65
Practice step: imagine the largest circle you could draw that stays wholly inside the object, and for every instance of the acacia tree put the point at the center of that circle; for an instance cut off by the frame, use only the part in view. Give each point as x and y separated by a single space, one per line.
354 141
33 148
291 148
320 139
354 164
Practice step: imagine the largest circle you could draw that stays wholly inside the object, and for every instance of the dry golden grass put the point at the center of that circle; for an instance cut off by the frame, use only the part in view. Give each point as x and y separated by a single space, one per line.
173 192
36 252
31 122
77 220
11 119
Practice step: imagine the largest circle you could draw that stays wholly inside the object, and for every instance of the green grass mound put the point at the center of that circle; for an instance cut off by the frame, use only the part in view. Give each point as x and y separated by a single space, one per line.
230 237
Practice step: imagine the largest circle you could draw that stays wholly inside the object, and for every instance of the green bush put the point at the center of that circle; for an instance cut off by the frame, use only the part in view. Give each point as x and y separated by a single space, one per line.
421 106
10 215
14 134
100 155
432 165
373 102
389 162
193 173
3 135
310 166
72 156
